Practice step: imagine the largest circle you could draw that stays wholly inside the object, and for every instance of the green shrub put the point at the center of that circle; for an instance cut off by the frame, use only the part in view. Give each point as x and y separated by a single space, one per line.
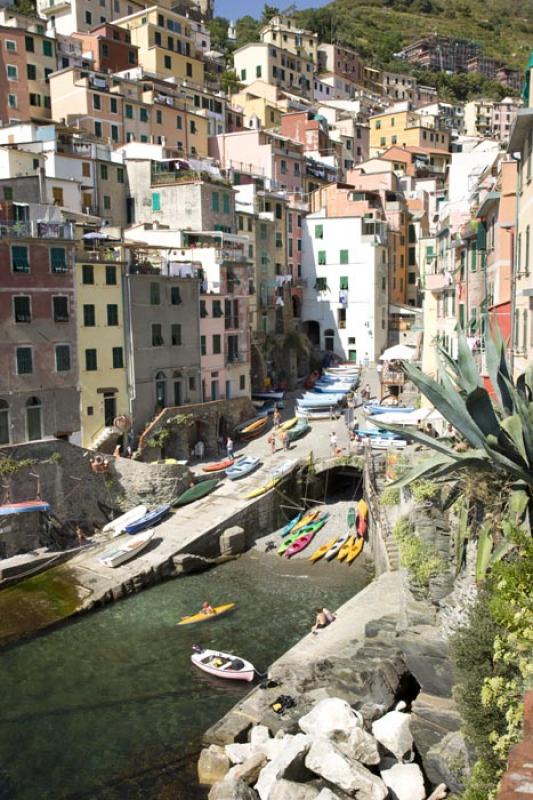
418 557
10 466
390 496
423 490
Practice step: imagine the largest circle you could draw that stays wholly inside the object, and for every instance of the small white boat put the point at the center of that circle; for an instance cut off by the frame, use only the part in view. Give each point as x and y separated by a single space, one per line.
283 468
334 549
118 525
381 443
222 665
127 549
318 413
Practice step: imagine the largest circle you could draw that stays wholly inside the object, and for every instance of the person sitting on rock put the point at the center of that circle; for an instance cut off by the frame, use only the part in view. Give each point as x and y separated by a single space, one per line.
321 620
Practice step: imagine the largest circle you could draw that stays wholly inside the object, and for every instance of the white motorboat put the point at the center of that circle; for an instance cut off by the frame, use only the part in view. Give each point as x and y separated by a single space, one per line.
333 412
222 665
118 525
127 549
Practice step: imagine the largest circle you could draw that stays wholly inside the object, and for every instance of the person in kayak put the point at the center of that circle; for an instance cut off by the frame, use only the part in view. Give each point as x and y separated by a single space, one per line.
207 608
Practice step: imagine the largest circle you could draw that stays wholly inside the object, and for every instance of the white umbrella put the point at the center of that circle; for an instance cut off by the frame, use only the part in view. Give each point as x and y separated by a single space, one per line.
400 352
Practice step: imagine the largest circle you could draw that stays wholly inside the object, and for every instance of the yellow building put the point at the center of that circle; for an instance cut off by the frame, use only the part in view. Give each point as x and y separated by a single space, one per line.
406 128
101 342
166 43
257 105
274 65
284 32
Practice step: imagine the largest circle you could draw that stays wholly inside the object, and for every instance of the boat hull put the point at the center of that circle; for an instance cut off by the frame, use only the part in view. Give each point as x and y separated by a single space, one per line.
153 518
193 619
218 466
355 551
241 469
118 525
196 492
132 547
208 661
300 544
334 551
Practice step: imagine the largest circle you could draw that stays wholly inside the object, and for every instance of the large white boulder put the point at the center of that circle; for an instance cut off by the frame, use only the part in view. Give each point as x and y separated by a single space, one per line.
288 790
406 781
275 746
237 753
258 736
325 759
361 746
393 732
327 794
232 790
249 770
331 718
291 755
213 765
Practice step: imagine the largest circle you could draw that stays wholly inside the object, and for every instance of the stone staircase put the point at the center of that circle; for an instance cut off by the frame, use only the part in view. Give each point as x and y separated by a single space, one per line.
393 553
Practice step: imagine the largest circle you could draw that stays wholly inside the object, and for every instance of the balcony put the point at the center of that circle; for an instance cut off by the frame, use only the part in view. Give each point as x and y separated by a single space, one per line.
98 255
438 282
52 6
36 230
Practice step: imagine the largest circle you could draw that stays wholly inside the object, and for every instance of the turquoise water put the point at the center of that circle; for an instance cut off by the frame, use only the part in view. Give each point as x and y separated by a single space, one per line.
110 708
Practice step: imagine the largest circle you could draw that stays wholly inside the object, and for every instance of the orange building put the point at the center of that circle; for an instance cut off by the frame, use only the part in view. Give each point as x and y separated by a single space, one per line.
110 47
27 58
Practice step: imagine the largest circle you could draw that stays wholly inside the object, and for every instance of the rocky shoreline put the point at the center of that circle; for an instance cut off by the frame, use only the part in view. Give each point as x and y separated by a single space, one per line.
384 648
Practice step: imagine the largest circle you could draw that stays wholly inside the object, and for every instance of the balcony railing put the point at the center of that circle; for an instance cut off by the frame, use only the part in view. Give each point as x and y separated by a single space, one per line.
99 255
36 230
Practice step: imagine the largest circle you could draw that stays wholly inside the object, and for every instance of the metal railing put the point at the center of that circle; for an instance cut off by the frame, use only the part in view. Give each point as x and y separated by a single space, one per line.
36 230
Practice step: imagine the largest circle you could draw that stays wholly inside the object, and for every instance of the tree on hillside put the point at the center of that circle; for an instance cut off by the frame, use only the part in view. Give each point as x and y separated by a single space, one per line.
268 13
247 30
218 28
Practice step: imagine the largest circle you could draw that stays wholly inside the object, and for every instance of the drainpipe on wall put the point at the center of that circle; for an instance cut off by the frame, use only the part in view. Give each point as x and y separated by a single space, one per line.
514 269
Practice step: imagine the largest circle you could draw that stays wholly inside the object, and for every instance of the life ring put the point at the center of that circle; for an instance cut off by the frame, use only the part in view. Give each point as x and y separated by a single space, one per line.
122 422
98 460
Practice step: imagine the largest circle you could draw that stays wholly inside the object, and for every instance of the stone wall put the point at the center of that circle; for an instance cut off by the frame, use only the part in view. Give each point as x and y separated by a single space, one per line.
60 474
207 422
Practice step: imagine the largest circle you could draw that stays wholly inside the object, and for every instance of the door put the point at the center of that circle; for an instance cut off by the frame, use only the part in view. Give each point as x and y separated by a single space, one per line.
110 409
352 355
214 390
228 390
177 393
33 419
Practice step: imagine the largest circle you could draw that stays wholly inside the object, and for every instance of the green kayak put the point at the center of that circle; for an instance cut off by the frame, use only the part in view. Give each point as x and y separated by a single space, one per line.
196 492
313 527
301 428
351 517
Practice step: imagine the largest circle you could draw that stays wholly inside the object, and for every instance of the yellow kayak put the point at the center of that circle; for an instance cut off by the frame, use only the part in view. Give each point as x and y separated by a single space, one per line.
321 552
262 489
362 509
290 423
255 425
219 611
309 516
354 552
345 549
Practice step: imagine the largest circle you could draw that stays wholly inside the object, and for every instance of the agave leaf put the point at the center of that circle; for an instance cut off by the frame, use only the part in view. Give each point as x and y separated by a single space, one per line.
497 369
518 505
524 409
440 467
468 371
480 407
421 438
500 551
446 400
513 427
421 470
484 550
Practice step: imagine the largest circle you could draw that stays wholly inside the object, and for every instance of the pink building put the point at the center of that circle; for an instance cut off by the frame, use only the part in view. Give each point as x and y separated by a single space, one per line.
279 160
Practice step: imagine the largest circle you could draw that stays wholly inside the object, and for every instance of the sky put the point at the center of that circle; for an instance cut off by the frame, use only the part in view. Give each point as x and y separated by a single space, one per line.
233 9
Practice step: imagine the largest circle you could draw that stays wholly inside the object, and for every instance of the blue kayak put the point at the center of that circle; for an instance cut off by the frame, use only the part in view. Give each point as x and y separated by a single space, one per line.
290 524
242 467
375 409
152 518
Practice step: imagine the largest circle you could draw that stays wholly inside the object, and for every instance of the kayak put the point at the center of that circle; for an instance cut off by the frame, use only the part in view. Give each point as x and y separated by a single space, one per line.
290 524
313 528
361 525
219 611
261 489
299 544
290 423
218 466
284 468
223 665
299 430
351 517
345 549
321 552
196 492
242 467
334 550
362 508
309 516
152 518
355 550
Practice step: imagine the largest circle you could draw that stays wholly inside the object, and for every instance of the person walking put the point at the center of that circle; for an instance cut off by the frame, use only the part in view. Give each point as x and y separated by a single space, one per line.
277 418
285 440
333 443
229 447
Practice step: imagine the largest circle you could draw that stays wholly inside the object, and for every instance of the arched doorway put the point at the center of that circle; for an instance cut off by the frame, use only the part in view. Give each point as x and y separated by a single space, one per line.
329 340
160 390
34 419
312 331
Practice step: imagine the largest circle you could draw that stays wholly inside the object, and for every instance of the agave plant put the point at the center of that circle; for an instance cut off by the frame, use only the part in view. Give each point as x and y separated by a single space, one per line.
499 431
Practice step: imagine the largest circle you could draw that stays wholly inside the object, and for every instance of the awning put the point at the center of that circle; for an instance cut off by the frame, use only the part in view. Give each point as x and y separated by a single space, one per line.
521 128
404 311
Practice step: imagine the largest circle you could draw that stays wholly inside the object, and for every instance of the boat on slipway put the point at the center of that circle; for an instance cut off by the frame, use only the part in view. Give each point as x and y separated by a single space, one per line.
195 492
222 665
126 550
218 466
151 518
118 525
244 466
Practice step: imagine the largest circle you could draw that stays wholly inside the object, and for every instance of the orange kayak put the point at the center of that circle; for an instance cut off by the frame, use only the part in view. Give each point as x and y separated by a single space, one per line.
219 465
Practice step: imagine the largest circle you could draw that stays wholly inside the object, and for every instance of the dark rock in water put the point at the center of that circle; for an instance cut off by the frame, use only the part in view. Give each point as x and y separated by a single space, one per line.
432 719
449 761
427 658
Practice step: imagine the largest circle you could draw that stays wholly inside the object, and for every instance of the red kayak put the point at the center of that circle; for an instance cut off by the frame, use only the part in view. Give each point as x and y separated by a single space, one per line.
220 465
361 525
299 544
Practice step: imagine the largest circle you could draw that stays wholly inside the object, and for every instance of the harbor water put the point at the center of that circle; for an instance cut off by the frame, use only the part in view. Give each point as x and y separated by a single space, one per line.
109 706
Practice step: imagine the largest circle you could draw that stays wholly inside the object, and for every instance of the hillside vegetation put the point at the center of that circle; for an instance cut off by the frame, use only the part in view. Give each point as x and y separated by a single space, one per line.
378 29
